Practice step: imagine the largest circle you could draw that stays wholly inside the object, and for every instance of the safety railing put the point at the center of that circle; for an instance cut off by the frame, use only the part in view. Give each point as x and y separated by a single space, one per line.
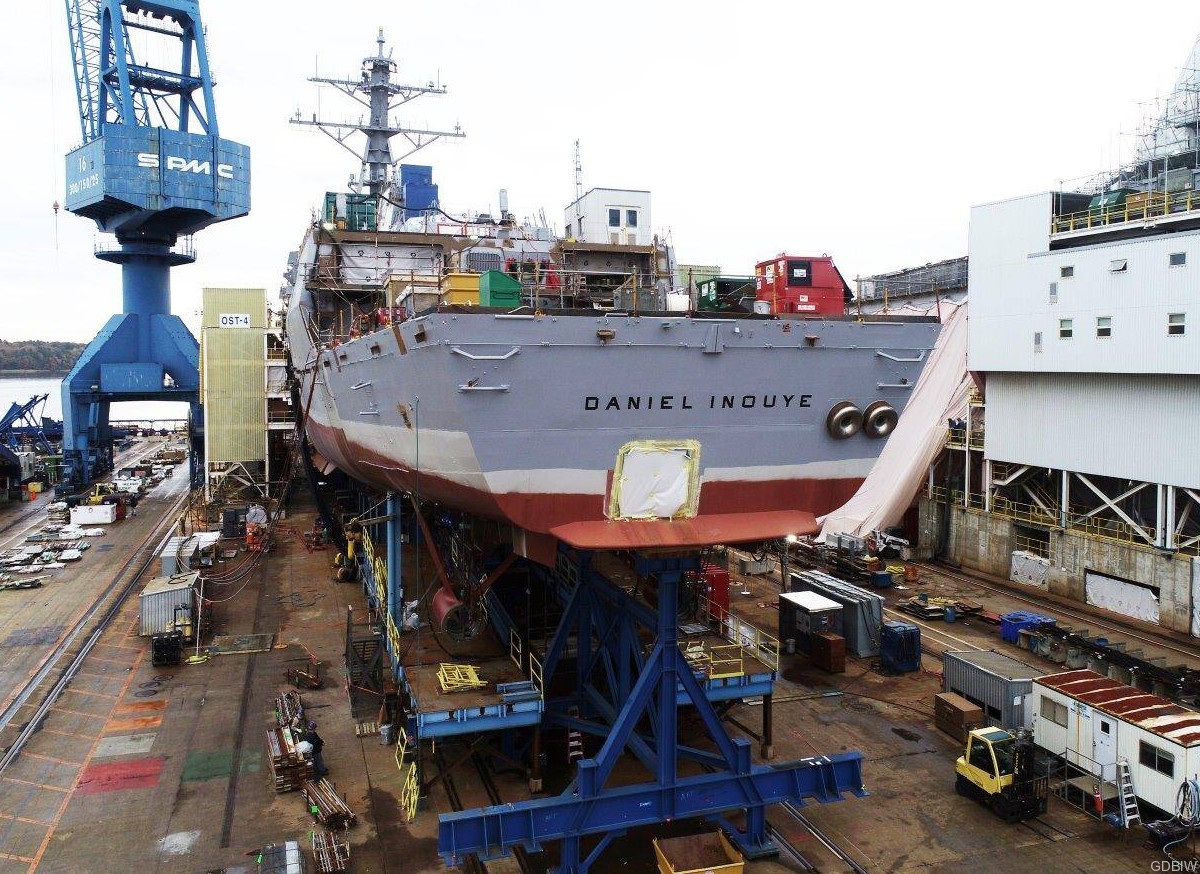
1031 545
1023 512
753 641
535 674
515 648
960 438
1137 208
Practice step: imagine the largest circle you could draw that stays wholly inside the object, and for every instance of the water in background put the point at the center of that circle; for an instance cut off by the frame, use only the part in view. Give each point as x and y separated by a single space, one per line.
20 389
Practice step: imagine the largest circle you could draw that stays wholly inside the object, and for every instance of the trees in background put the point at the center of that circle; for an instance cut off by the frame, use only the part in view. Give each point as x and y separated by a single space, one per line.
38 355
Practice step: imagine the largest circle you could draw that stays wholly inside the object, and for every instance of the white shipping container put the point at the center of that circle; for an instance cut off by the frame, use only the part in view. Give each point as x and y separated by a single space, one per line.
94 514
1093 722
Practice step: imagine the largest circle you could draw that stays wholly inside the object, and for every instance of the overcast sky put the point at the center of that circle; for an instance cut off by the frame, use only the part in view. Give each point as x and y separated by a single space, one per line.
863 130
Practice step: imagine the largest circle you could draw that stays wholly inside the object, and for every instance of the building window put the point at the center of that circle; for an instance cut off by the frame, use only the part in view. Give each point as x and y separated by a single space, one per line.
1053 292
631 218
1177 259
581 229
1103 326
1118 265
1159 760
1176 324
1066 271
1037 341
614 218
1066 328
1054 711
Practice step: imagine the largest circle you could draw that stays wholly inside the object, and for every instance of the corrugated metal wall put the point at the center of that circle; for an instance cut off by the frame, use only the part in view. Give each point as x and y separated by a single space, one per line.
990 680
233 374
1131 426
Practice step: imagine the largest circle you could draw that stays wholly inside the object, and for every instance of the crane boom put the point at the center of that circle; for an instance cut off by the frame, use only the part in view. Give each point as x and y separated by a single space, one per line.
152 168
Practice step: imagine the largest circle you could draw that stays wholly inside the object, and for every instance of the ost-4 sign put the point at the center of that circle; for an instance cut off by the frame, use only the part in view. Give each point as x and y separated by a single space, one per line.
235 320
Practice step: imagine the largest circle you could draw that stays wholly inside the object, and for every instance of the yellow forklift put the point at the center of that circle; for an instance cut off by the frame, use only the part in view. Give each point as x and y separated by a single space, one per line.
999 769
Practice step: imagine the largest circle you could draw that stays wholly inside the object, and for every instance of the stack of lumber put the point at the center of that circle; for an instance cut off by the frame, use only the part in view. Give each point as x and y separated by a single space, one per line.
289 709
332 853
326 806
289 769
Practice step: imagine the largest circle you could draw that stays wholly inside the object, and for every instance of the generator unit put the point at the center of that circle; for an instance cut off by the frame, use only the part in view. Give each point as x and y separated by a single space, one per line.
899 647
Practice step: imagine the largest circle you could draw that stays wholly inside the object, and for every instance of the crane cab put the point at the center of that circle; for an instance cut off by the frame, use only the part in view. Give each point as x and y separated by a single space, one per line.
997 769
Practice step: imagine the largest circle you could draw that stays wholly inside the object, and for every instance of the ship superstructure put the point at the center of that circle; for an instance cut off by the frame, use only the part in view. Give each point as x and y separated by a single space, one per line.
497 367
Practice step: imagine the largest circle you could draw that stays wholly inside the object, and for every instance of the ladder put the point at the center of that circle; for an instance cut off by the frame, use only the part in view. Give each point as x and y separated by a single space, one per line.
1130 815
574 740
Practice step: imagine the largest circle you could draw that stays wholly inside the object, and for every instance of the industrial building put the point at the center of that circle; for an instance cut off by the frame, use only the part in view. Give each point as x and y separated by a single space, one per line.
1073 471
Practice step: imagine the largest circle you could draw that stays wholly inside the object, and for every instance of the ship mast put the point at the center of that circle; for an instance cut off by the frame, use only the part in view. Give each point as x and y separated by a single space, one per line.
376 91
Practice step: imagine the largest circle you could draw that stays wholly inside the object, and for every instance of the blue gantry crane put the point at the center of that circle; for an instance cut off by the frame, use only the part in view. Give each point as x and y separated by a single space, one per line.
152 170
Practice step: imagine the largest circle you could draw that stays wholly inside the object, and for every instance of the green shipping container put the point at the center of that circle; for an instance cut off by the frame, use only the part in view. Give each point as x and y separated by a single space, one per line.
497 289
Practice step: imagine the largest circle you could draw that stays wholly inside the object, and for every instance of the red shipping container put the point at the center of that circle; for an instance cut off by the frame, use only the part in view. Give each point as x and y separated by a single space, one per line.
802 285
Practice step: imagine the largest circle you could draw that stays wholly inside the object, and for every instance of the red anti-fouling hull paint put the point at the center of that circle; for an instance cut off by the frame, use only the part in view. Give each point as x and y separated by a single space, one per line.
540 511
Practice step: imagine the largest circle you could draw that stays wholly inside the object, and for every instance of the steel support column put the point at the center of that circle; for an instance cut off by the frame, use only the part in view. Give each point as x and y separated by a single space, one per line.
767 750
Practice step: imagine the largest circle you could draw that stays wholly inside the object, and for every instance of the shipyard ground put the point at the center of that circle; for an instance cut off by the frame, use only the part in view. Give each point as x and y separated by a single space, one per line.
143 768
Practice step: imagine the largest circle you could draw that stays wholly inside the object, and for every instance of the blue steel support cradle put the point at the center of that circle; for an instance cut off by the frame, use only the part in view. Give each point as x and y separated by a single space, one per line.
587 808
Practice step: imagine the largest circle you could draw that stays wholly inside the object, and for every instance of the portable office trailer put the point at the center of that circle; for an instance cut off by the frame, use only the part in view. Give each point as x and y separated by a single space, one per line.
998 684
1094 722
862 611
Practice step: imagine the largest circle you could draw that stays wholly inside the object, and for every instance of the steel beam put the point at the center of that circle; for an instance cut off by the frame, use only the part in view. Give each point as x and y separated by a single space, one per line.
496 830
616 683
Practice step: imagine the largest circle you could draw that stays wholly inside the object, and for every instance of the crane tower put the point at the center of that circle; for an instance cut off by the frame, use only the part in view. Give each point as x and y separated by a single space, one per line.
152 170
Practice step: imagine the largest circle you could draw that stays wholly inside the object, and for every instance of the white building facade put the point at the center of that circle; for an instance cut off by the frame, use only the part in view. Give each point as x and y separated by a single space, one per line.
617 216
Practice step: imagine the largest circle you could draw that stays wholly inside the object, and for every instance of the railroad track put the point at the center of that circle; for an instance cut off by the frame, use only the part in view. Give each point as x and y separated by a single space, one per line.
1050 832
471 864
66 657
1085 619
822 838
